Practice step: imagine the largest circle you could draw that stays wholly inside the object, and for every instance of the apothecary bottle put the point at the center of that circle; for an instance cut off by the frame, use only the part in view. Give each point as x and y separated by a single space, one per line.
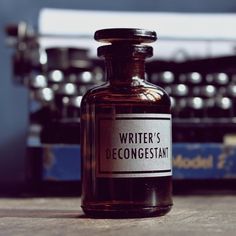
126 133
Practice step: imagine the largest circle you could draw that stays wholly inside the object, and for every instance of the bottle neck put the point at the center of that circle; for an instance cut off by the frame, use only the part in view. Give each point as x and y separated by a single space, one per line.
125 70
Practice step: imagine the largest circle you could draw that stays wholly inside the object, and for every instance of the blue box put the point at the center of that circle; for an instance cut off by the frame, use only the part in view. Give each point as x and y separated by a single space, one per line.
190 161
204 161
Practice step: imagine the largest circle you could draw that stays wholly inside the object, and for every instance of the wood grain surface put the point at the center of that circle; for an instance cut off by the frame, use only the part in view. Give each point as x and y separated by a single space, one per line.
191 215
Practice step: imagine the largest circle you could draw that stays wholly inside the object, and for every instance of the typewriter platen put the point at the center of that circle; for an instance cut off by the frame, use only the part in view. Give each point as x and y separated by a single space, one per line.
203 93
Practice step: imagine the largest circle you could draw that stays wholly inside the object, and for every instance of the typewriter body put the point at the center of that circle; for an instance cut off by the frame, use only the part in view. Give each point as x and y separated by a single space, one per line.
202 87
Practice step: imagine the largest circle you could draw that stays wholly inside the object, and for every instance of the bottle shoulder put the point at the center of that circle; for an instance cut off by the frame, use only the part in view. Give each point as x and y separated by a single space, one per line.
141 93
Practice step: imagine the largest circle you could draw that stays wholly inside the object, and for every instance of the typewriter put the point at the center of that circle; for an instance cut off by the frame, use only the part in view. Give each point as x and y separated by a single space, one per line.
203 96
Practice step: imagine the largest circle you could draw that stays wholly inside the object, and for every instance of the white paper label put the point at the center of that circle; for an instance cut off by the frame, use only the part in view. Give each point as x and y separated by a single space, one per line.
134 145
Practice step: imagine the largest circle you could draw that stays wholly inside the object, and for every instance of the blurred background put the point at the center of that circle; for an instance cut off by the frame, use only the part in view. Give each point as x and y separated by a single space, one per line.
48 61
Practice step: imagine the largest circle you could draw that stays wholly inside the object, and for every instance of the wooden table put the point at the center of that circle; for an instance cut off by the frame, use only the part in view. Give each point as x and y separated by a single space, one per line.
191 215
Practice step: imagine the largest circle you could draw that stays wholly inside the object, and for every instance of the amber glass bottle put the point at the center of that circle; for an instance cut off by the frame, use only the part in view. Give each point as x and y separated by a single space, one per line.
126 133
